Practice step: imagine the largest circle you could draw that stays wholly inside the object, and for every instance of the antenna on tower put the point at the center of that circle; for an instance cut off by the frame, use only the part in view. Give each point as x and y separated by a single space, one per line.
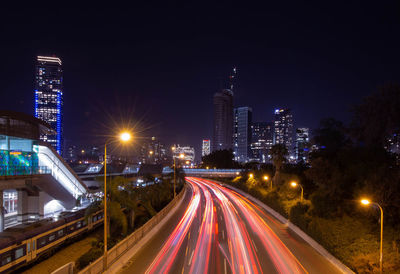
232 78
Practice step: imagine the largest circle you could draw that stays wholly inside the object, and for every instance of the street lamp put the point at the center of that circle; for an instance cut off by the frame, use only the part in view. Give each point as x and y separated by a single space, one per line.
295 184
124 137
367 202
251 175
266 178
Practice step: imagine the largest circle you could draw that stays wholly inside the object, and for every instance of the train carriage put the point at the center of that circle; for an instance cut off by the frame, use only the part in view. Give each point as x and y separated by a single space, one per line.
24 243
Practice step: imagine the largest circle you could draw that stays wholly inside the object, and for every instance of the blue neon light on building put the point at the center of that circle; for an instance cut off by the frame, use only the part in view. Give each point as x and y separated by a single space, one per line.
48 98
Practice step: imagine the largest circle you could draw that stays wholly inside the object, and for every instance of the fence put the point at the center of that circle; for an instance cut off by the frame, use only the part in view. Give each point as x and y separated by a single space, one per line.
21 170
117 251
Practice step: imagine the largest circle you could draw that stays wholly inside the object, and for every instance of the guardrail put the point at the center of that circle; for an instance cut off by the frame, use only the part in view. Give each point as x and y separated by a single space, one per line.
117 251
18 170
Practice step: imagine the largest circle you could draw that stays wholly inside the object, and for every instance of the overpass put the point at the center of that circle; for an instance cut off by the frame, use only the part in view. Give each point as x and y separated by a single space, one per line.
212 173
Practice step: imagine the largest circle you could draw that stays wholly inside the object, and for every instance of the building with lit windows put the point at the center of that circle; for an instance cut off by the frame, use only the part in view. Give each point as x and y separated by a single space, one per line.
223 120
206 148
153 152
302 144
242 133
283 129
261 141
188 155
49 98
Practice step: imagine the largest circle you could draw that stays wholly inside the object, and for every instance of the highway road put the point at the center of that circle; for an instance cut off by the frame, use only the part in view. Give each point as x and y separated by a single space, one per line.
217 230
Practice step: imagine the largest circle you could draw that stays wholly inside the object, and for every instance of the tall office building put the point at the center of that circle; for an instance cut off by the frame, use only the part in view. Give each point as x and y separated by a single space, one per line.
242 133
261 141
153 152
205 150
283 129
223 120
302 142
188 155
49 98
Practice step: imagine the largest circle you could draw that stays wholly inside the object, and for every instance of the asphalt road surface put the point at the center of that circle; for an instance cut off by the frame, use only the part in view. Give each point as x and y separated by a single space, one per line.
217 230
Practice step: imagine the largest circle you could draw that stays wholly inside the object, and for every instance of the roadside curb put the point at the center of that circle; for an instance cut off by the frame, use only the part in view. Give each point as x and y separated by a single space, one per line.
320 249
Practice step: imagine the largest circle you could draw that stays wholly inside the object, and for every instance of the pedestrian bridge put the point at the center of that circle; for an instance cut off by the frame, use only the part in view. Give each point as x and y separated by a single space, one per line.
213 173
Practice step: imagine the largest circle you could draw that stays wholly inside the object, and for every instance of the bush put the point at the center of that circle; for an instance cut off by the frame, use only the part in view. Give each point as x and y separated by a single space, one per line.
92 255
298 215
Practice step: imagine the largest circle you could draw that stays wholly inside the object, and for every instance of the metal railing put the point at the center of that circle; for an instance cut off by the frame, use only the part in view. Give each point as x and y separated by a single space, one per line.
117 251
18 170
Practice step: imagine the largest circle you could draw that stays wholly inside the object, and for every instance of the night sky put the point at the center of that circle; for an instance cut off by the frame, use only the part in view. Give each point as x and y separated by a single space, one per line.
159 65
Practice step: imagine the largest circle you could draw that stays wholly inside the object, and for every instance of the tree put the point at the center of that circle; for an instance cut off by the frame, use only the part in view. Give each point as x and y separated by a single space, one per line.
330 136
220 159
278 153
377 117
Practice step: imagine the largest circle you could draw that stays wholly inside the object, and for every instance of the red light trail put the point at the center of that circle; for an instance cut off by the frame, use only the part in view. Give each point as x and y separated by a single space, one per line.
228 227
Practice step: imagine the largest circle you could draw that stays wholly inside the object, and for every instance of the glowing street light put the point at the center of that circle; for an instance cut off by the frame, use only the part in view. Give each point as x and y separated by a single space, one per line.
124 137
367 202
266 178
295 184
251 176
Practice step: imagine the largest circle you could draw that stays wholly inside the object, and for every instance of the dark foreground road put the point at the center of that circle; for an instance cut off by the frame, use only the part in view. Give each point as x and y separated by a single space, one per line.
217 230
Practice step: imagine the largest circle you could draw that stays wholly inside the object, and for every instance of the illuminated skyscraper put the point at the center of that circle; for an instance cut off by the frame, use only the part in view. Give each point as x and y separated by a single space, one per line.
205 148
261 141
302 144
242 133
283 129
49 98
223 120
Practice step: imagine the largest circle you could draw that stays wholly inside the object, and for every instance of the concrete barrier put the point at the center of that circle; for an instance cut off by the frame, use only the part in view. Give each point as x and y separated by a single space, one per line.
319 248
65 269
126 244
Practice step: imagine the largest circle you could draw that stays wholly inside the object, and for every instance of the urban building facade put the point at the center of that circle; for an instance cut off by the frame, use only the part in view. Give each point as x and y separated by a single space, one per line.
223 120
242 133
188 155
206 148
302 144
283 129
49 98
261 142
153 152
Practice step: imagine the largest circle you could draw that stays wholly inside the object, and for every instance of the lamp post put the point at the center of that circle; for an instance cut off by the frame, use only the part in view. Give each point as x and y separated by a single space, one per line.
367 202
266 178
295 184
124 137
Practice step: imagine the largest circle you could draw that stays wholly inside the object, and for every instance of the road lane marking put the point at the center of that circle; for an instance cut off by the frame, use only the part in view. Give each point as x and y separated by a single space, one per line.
191 257
187 247
255 247
225 266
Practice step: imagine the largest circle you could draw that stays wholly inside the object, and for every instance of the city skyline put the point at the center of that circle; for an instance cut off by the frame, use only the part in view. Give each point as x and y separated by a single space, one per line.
315 69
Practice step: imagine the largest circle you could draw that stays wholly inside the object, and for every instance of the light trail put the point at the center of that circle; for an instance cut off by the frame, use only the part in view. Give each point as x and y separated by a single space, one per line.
242 223
283 259
166 257
202 251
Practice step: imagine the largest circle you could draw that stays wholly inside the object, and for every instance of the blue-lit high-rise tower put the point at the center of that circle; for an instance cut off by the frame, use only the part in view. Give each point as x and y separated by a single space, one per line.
49 98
